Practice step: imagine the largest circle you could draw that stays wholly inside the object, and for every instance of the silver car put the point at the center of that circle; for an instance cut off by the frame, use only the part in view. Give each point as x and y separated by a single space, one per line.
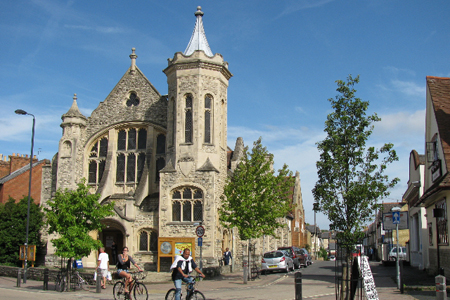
278 260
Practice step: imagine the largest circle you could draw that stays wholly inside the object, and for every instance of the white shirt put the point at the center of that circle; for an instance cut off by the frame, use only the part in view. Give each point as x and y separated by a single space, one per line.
104 259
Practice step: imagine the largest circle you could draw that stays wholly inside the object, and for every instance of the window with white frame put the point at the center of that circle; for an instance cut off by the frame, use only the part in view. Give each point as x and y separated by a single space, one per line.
187 204
130 161
97 160
148 240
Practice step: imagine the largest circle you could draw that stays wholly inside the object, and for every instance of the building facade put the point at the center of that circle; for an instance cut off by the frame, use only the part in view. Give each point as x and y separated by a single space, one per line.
162 159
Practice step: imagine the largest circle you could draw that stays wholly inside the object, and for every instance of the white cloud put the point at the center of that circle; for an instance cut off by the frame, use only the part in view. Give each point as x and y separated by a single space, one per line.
297 5
409 88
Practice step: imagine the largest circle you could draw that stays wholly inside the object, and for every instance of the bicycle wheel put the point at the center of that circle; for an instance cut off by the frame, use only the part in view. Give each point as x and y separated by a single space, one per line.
118 291
197 295
140 291
63 284
170 294
83 284
58 283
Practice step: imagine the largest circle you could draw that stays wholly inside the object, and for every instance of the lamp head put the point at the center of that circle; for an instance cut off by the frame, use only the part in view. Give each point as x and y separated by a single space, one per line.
21 112
396 208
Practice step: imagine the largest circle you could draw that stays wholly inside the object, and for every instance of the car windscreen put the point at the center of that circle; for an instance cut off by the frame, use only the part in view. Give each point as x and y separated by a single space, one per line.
273 254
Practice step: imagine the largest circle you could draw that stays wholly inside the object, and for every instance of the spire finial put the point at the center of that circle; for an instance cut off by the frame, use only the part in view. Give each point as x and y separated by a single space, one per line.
133 57
199 11
198 39
75 97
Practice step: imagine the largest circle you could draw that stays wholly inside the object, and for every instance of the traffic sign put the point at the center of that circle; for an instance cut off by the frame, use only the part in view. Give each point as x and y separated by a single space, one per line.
200 241
396 217
200 231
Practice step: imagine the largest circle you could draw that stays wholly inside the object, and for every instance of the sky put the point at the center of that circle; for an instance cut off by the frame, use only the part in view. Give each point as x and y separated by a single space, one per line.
285 57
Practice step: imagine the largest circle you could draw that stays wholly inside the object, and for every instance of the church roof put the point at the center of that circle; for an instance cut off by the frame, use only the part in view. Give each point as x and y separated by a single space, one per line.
198 39
74 111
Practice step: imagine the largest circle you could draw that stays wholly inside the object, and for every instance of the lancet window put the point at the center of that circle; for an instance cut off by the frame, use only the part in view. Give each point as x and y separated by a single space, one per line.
131 147
188 126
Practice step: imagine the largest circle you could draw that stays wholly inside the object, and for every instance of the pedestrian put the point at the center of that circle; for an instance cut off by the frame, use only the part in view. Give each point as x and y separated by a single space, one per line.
123 264
114 252
103 265
181 268
227 256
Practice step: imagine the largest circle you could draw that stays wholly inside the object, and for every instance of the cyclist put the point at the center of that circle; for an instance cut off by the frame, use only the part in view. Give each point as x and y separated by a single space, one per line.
123 264
181 267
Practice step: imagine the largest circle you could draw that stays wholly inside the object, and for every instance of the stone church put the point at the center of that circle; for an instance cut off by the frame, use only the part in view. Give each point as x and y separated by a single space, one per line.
162 159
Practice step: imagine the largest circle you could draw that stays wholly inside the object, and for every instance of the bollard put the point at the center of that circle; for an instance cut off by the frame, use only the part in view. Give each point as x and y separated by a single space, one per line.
402 290
441 287
298 286
99 281
46 271
245 267
19 279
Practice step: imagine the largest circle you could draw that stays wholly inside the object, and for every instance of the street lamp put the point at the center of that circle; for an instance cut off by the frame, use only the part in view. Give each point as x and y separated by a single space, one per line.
22 112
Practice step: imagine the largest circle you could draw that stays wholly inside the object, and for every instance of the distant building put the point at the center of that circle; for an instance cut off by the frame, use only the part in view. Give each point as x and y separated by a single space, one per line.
15 177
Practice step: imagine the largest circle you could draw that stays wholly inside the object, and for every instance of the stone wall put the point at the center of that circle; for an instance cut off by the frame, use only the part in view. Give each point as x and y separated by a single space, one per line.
444 258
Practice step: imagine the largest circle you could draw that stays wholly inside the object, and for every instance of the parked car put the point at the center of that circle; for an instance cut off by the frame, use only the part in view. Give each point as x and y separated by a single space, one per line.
297 256
332 257
276 261
401 253
308 259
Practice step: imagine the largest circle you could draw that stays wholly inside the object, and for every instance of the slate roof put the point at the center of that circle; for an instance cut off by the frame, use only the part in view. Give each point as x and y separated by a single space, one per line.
439 89
20 171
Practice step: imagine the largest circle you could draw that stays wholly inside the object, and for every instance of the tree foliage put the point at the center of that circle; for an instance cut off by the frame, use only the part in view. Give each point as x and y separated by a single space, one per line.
351 176
13 226
73 214
255 200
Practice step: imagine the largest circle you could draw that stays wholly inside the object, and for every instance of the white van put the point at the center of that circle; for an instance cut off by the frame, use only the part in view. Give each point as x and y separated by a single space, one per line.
401 253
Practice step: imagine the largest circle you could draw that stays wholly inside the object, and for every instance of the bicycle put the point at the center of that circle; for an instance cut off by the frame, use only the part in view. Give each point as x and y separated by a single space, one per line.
137 288
81 282
61 281
191 292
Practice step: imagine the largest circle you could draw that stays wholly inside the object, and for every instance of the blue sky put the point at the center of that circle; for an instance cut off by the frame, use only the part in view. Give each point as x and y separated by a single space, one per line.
285 57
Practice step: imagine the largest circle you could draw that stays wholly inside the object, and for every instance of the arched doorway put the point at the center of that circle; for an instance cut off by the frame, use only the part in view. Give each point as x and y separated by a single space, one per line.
113 232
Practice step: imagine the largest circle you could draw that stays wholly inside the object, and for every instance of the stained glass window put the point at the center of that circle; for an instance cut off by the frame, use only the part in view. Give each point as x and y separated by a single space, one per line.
131 167
176 211
131 139
184 208
120 174
187 208
92 171
142 139
121 140
143 241
140 166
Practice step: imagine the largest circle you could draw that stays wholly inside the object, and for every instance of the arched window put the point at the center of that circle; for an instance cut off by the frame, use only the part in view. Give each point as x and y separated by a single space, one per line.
187 204
148 240
97 160
188 126
208 110
131 147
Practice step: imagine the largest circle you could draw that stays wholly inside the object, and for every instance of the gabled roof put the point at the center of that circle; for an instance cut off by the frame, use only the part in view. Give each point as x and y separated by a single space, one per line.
21 171
439 89
198 39
310 228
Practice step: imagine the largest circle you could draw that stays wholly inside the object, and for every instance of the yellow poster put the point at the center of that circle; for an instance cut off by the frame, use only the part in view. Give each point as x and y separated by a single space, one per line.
179 247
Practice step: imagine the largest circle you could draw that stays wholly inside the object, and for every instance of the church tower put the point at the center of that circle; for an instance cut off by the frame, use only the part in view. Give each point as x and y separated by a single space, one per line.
74 126
196 169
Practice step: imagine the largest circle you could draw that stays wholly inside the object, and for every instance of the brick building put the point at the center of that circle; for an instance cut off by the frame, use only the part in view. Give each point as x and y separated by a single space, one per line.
15 177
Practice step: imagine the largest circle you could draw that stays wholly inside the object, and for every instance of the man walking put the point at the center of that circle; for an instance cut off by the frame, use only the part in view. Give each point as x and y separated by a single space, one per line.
103 265
227 256
181 268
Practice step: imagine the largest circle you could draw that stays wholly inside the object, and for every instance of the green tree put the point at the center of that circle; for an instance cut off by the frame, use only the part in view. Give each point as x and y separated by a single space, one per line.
13 225
73 214
255 199
323 253
351 175
350 179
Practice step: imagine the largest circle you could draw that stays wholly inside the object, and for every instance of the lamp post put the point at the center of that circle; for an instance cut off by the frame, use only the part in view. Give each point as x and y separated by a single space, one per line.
315 208
22 112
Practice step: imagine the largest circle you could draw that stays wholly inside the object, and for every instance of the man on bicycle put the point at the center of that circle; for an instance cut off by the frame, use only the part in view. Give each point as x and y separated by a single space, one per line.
181 268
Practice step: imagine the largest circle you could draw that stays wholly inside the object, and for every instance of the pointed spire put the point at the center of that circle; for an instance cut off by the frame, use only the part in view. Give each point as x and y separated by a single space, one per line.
133 57
198 39
74 111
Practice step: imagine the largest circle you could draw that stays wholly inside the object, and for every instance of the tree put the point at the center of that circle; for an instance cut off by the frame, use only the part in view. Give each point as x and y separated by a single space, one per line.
13 225
73 214
351 175
255 199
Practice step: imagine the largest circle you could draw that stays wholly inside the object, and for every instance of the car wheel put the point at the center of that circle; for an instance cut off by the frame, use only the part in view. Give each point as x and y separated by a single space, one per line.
287 269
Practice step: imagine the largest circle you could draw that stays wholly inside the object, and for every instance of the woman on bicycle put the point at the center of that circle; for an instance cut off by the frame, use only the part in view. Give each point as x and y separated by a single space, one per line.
123 264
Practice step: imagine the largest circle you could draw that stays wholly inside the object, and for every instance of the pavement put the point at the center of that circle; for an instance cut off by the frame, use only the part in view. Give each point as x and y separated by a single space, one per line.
418 285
